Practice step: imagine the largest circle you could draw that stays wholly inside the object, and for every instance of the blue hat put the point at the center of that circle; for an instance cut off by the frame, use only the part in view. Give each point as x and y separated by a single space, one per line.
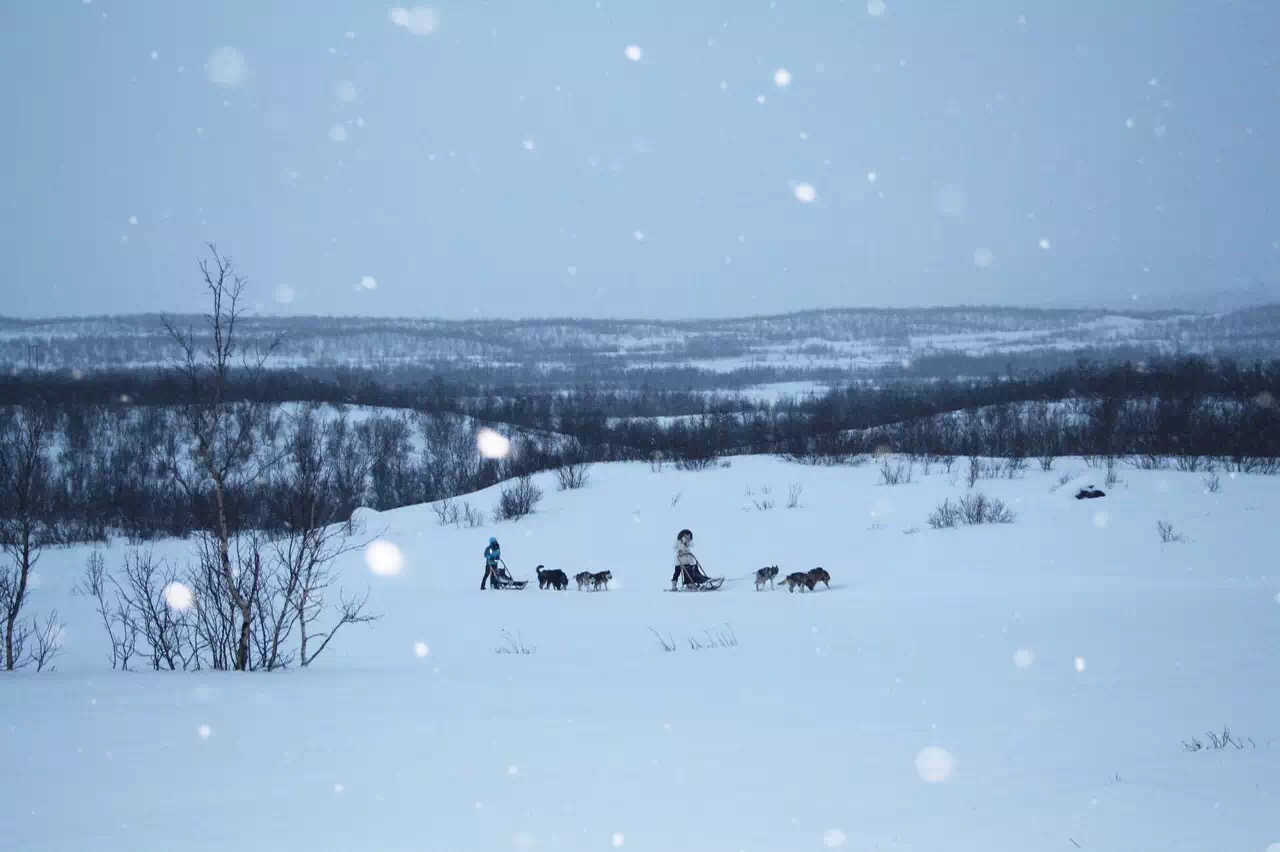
493 540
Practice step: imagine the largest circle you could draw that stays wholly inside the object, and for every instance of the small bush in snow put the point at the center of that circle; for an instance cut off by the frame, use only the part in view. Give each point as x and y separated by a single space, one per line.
975 471
1218 742
1212 483
1065 478
517 500
666 643
1167 533
447 512
1046 462
765 501
793 495
945 517
675 498
1014 467
719 639
1193 464
573 476
471 517
695 463
1112 476
895 472
514 645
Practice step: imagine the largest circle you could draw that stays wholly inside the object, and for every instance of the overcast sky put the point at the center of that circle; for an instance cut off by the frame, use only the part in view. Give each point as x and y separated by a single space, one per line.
637 159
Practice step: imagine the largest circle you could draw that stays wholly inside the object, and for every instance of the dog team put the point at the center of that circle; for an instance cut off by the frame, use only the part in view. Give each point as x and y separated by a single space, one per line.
686 566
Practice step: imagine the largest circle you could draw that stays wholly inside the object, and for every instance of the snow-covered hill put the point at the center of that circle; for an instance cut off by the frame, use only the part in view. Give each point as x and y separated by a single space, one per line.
998 688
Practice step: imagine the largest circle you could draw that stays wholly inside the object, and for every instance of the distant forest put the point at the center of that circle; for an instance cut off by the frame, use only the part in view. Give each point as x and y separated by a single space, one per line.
113 448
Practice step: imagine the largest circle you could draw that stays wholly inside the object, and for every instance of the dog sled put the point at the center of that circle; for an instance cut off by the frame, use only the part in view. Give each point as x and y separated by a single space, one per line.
694 579
500 578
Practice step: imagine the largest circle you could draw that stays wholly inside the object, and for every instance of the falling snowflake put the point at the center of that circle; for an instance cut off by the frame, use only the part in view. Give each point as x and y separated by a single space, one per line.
133 220
639 235
284 294
1079 664
633 52
420 650
204 732
1044 243
1129 123
804 192
493 445
934 764
384 558
338 133
345 91
178 596
528 144
782 78
155 54
983 257
760 99
226 66
875 8
338 788
834 838
513 771
618 839
368 282
1023 658
872 177
420 20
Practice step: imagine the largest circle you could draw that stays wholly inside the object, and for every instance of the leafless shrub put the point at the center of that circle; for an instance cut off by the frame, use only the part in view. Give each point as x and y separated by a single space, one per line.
1166 531
471 517
895 472
1112 477
765 502
1193 464
945 517
46 641
1219 742
793 495
666 643
948 461
975 471
1065 478
719 638
977 508
695 462
1014 467
514 645
122 632
447 512
675 498
1046 462
911 531
517 500
1148 461
1212 483
573 476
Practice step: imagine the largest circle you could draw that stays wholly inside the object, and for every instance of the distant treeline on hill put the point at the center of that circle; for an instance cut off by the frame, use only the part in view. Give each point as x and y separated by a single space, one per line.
110 441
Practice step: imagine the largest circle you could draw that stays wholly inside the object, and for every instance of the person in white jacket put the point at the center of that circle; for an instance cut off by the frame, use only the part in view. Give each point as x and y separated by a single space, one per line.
686 562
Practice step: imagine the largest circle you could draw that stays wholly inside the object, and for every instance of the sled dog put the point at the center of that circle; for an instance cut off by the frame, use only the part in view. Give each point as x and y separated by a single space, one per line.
553 579
600 580
766 575
583 579
798 579
819 575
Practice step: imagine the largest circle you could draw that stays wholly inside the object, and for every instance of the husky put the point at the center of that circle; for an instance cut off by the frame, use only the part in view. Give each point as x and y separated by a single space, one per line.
819 575
553 579
798 579
601 580
583 579
766 575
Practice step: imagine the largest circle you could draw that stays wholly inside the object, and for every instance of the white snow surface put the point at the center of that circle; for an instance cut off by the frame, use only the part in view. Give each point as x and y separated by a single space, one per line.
930 700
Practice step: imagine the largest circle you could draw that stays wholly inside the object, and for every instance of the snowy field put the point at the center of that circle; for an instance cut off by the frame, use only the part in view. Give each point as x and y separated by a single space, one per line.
983 689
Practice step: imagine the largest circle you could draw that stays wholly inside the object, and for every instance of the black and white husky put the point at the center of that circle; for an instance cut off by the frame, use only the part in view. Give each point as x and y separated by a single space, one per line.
766 575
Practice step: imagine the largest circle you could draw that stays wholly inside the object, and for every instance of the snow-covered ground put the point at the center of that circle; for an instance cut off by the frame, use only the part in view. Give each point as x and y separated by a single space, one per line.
1004 688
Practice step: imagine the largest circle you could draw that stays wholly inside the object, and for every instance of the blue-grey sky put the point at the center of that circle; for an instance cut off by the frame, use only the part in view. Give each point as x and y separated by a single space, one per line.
520 158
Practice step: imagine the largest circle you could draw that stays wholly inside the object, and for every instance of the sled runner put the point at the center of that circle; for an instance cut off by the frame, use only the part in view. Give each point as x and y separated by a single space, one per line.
501 579
694 579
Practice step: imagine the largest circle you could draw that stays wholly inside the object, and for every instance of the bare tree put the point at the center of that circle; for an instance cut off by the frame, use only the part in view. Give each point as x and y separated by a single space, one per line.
122 632
313 535
216 457
25 509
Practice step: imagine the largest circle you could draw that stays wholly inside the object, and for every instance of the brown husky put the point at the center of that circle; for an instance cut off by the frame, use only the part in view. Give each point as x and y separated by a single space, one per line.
819 575
799 579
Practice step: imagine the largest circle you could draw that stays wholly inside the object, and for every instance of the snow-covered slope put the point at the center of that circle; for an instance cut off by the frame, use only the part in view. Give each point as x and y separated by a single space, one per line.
1000 688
